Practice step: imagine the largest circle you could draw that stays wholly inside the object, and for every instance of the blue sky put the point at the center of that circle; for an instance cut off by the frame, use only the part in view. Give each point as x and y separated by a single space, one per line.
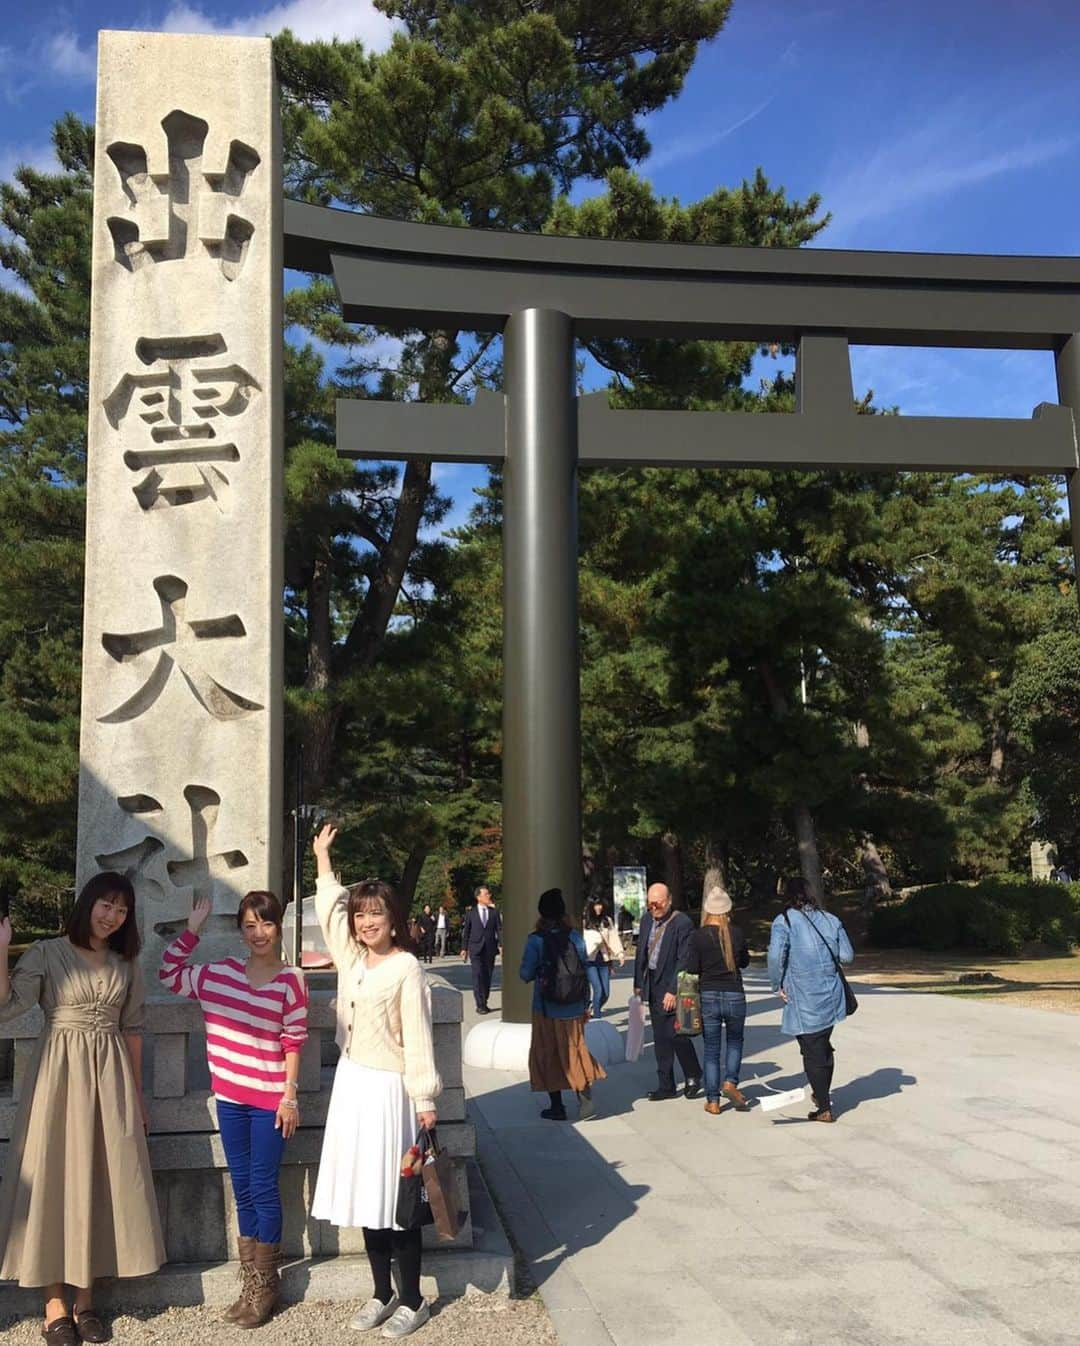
934 127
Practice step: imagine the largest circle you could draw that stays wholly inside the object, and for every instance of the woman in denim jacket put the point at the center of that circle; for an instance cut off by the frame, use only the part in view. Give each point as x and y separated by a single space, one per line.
802 969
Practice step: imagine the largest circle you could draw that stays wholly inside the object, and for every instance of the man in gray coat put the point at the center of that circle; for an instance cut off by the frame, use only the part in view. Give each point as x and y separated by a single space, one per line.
661 952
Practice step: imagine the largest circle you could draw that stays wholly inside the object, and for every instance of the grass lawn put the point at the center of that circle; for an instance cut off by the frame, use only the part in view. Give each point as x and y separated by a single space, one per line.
1051 982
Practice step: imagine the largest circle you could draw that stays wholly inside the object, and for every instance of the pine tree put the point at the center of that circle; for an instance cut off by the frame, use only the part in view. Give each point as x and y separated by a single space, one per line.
44 362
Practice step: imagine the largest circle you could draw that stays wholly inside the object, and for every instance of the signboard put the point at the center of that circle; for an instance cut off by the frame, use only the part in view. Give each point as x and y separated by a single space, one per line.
628 885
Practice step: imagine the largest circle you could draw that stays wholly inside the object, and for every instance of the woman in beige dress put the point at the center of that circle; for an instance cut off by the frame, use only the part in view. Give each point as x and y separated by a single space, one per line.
77 1200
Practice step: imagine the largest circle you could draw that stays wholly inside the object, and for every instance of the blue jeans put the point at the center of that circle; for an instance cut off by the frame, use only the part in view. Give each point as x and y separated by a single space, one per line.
600 982
253 1148
720 1009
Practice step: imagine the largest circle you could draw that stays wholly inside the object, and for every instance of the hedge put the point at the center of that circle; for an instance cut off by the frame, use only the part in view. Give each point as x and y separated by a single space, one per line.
999 914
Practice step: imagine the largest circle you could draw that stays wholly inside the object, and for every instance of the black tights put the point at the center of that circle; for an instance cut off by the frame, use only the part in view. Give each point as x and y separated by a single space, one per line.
817 1055
403 1246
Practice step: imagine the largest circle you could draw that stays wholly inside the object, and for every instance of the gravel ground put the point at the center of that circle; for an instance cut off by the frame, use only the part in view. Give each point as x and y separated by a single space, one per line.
477 1320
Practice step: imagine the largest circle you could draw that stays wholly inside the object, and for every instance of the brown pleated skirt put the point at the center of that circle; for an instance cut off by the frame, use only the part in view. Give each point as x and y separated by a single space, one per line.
558 1057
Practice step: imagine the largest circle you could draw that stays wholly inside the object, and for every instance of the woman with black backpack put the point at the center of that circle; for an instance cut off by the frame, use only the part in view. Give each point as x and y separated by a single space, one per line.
554 960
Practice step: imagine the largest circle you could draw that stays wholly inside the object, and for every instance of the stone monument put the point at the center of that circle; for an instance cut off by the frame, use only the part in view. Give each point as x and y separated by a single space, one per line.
180 784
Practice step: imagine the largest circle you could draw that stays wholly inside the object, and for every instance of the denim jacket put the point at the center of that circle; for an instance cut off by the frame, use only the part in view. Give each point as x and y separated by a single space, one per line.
531 959
815 995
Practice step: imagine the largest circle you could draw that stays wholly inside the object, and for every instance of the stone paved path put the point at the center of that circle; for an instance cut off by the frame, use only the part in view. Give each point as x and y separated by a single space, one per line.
943 1208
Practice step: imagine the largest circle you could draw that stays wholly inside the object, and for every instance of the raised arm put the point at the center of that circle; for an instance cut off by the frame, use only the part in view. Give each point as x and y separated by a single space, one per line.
21 990
176 972
332 902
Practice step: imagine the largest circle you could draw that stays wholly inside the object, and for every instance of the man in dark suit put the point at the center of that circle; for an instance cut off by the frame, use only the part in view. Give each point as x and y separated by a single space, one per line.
661 951
481 936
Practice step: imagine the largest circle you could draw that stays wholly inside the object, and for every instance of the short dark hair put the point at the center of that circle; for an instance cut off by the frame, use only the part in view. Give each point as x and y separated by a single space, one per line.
264 906
108 883
385 892
481 888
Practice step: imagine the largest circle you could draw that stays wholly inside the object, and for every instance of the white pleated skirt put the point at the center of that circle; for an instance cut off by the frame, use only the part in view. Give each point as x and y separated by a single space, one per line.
370 1124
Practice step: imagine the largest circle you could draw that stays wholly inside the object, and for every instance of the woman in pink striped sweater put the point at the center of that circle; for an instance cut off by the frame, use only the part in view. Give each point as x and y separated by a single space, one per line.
256 1024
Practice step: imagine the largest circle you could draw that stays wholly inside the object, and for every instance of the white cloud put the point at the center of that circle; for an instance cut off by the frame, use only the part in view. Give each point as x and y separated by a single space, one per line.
961 145
686 147
66 58
308 19
36 154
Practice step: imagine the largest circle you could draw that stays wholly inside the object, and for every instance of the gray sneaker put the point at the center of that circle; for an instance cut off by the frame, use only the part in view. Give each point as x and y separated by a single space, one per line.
372 1315
406 1320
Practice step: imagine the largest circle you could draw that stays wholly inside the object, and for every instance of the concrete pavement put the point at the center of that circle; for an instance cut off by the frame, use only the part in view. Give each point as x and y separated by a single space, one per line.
943 1207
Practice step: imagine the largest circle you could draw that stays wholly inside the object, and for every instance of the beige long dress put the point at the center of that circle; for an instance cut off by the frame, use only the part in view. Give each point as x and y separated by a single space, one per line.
77 1196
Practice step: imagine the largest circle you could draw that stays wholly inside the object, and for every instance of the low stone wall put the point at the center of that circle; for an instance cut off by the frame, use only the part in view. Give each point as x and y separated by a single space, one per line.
190 1174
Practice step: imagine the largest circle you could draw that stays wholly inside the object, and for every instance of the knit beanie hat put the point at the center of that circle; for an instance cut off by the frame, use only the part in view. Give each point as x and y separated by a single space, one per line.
717 902
551 905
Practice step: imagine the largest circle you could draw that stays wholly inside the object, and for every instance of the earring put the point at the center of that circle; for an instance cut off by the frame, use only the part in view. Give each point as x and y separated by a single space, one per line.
392 933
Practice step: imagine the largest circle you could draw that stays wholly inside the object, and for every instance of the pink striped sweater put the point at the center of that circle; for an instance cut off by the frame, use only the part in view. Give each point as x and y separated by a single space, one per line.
249 1031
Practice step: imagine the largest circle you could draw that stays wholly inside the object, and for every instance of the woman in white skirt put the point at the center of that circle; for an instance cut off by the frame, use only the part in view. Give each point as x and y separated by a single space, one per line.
384 1088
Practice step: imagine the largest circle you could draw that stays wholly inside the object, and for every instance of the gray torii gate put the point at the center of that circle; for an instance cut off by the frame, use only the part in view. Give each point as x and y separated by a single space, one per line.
545 292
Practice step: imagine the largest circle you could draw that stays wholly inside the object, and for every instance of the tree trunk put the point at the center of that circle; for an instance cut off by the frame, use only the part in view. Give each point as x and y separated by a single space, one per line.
369 628
809 859
717 864
672 858
876 887
805 835
998 738
410 875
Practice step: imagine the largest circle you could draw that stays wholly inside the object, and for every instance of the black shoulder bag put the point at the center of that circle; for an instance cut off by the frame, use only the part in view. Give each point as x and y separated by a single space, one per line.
851 1004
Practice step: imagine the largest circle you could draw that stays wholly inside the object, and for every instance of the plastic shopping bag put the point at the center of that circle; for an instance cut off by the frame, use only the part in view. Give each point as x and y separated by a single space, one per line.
635 1033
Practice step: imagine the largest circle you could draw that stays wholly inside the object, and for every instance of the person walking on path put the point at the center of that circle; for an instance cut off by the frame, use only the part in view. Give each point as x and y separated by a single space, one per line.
481 936
804 949
661 952
554 961
427 934
715 954
385 1085
256 1025
602 947
77 1201
440 932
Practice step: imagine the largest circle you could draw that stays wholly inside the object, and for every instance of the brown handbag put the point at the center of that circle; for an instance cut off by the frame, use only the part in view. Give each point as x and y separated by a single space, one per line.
441 1189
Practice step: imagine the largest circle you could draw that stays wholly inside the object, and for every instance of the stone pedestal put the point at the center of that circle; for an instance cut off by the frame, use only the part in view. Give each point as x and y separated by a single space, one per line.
180 785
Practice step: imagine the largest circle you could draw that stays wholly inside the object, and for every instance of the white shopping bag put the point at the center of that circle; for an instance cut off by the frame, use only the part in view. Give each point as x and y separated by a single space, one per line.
785 1099
635 1033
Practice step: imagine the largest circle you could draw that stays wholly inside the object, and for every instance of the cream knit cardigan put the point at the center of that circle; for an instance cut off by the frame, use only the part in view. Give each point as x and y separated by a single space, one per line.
383 1013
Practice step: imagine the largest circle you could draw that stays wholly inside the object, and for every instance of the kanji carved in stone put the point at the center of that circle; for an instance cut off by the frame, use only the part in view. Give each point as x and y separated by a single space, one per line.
206 865
180 643
173 405
188 211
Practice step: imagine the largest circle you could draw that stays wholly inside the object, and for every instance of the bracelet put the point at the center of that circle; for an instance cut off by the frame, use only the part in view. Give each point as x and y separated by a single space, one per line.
290 1104
291 1084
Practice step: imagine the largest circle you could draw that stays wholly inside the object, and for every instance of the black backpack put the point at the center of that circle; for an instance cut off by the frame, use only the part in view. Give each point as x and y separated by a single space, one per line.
562 976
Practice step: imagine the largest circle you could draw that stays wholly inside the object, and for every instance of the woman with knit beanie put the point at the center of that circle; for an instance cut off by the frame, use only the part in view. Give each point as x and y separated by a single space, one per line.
385 1084
554 960
716 953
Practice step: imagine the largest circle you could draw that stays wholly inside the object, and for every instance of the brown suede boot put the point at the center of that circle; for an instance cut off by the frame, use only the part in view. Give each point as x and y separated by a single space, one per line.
247 1268
265 1293
735 1095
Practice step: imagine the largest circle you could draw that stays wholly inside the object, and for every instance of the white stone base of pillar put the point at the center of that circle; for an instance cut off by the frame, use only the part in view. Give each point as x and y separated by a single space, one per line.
494 1045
